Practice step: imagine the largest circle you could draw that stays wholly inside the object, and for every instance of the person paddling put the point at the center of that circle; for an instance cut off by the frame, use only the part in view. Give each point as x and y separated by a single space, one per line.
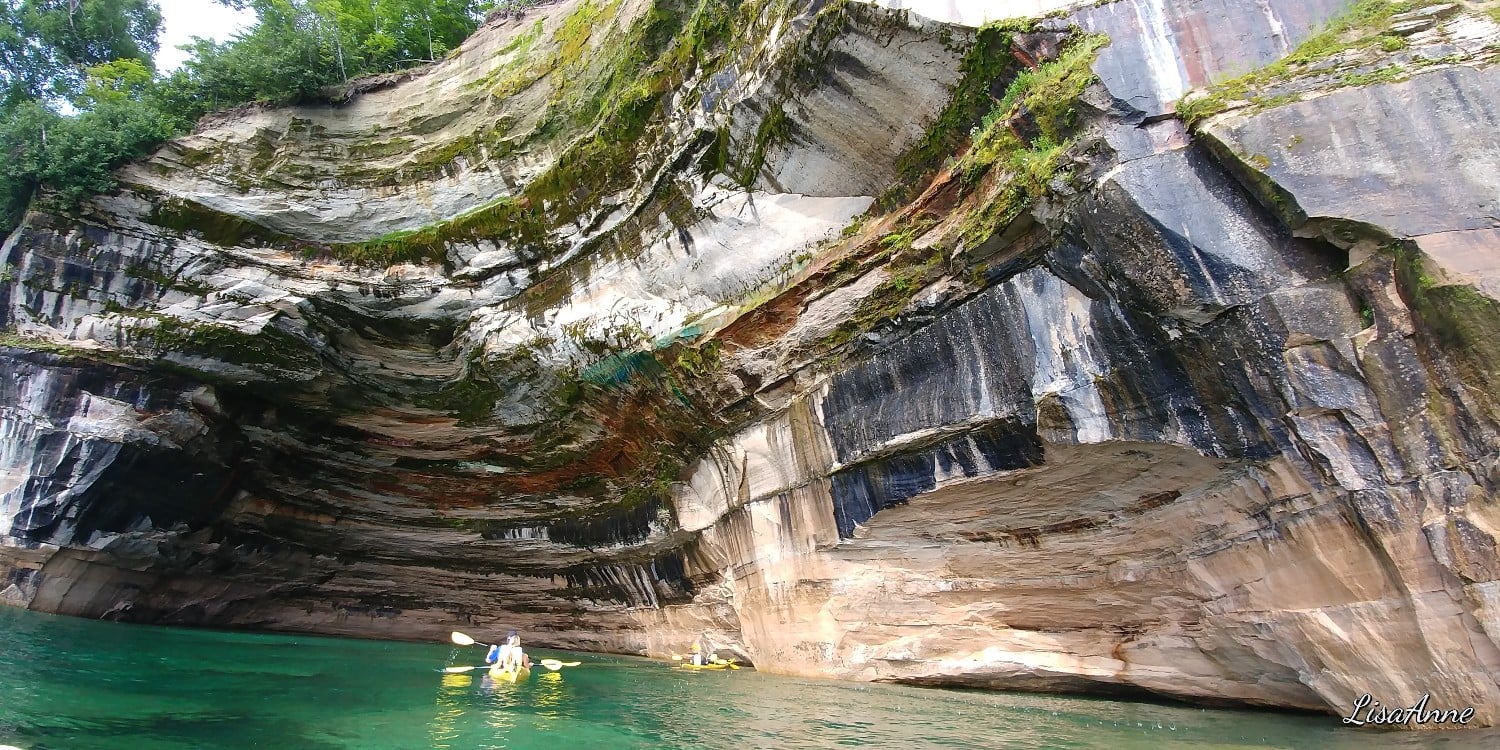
519 658
508 655
499 654
703 653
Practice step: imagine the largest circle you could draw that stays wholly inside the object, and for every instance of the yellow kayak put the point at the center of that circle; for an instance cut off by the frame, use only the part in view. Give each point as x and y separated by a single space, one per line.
510 675
715 665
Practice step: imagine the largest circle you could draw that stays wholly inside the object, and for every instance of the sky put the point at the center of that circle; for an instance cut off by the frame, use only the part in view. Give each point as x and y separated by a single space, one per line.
184 19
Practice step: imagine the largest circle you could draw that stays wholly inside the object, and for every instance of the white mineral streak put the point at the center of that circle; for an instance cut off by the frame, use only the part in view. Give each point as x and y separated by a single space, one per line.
745 240
765 460
1276 30
1057 317
68 457
1162 56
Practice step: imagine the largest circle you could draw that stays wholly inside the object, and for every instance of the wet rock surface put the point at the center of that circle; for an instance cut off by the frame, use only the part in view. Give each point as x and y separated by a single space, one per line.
1208 416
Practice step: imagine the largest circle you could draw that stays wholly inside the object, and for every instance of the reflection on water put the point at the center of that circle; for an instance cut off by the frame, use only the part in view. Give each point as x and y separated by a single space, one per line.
551 700
498 700
82 685
450 710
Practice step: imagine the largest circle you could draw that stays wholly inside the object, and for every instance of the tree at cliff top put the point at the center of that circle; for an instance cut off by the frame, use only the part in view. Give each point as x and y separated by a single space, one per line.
300 47
47 45
95 56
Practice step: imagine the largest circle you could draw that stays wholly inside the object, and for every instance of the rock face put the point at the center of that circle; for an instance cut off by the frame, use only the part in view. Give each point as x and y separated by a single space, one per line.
639 321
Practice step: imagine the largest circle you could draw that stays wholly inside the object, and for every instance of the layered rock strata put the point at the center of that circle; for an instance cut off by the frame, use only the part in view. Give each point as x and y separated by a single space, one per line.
638 321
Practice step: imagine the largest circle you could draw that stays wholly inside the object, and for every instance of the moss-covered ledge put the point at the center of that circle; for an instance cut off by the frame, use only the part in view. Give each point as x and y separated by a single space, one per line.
1371 43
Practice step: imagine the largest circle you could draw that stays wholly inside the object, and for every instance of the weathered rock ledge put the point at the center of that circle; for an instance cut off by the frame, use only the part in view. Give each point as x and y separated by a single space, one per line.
637 321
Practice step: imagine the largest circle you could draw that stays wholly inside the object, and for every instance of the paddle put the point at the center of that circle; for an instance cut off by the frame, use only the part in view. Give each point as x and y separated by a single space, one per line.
551 664
464 640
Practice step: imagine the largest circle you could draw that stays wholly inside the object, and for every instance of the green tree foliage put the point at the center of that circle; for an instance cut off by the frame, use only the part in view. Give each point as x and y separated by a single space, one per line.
22 131
300 47
95 57
46 45
74 156
114 125
92 59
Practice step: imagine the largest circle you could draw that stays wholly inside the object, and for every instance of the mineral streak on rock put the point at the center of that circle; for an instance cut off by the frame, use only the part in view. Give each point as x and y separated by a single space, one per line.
862 339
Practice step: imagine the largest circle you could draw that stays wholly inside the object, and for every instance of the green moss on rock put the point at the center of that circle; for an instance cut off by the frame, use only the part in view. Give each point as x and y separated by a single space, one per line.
212 225
470 400
652 59
988 60
1045 96
698 361
381 149
775 130
165 280
270 350
12 340
1462 321
910 270
1363 26
507 220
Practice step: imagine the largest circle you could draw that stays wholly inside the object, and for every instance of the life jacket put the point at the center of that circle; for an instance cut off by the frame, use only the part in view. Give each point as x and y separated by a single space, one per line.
493 655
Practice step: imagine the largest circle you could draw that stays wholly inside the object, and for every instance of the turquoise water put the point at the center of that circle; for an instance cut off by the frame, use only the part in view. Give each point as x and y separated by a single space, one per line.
71 684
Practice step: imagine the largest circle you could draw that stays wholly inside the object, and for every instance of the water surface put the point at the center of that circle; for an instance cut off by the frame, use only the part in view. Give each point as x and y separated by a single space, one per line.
72 684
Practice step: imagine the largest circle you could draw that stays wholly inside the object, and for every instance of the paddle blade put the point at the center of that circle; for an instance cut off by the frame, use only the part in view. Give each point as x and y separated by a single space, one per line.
461 639
555 665
456 670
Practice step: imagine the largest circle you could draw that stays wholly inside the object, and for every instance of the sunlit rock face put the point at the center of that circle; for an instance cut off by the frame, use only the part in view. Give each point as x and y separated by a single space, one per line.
739 342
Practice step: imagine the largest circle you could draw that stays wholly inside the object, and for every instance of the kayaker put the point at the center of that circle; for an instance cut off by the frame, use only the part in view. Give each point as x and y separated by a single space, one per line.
511 655
499 652
703 654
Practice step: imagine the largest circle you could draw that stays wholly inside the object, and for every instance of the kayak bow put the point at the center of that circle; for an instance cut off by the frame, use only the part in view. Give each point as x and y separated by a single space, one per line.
716 665
510 675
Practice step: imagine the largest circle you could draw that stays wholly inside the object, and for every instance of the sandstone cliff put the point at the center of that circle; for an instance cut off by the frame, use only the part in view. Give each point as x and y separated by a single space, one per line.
920 342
